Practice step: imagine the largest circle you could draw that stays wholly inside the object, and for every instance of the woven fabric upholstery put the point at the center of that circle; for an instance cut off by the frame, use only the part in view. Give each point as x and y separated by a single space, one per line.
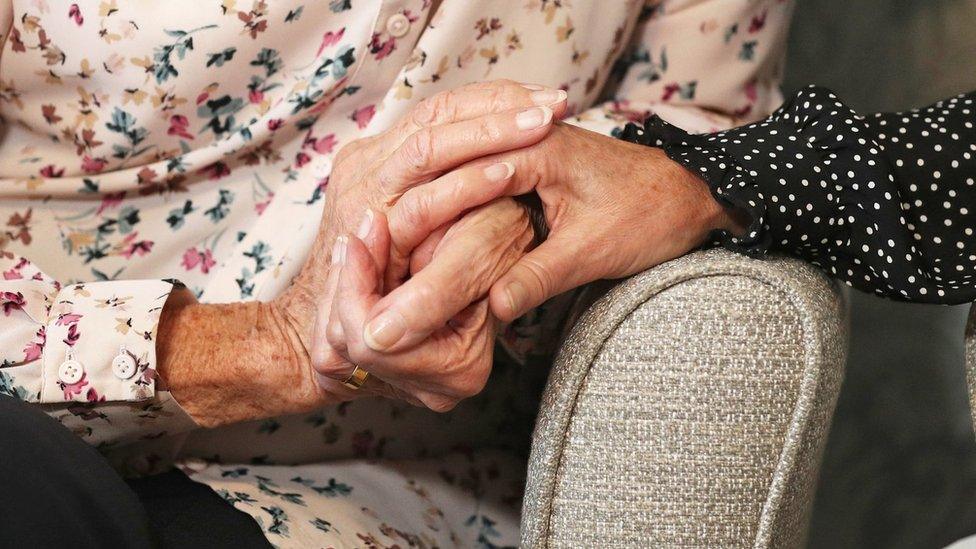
971 360
689 407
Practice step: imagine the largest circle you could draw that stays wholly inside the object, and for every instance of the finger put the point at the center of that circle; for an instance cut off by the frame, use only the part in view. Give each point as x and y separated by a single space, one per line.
374 232
431 151
373 386
548 270
462 272
328 333
474 100
330 372
421 210
423 254
454 363
356 293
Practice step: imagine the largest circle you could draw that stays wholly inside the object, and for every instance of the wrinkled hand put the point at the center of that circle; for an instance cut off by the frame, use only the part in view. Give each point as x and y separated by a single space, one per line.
613 208
423 149
214 358
435 137
454 360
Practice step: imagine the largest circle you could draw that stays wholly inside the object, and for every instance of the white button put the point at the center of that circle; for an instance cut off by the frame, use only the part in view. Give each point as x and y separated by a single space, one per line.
398 25
70 372
123 365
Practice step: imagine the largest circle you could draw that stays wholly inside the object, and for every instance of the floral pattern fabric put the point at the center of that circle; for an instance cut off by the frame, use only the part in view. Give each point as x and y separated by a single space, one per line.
455 500
192 141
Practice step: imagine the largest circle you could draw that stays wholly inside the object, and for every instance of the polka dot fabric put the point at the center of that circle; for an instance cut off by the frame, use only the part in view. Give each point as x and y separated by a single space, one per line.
885 203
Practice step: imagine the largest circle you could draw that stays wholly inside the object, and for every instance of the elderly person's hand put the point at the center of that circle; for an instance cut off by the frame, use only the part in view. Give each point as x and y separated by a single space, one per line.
453 363
613 208
438 135
214 358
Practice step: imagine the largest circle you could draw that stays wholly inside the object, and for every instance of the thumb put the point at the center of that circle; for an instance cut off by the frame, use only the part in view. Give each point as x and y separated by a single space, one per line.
550 269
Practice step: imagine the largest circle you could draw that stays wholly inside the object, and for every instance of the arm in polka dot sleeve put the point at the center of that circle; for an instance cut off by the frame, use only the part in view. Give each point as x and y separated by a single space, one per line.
85 352
884 202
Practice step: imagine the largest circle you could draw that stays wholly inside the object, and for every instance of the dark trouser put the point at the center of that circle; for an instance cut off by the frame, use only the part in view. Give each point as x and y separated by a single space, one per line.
56 491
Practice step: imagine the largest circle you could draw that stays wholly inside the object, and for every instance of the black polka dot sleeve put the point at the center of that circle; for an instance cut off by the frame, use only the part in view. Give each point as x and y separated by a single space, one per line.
884 202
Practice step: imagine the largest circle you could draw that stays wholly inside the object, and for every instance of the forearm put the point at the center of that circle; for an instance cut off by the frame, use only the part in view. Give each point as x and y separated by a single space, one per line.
881 202
233 362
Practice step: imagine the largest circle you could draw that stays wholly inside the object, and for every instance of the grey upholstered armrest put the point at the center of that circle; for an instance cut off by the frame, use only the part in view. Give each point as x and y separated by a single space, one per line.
971 360
689 407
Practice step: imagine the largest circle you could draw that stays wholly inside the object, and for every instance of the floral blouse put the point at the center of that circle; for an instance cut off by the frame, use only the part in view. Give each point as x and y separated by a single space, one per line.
145 142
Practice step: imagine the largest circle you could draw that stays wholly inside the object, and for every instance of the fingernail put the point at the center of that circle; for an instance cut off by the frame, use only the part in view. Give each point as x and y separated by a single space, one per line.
533 118
533 87
516 295
339 250
384 331
500 171
548 97
365 225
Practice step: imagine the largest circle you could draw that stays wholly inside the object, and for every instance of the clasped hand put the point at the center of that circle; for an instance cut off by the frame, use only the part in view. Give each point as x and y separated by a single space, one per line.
427 252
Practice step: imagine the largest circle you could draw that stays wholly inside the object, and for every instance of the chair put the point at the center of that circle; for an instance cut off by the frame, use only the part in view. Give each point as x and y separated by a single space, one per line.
689 407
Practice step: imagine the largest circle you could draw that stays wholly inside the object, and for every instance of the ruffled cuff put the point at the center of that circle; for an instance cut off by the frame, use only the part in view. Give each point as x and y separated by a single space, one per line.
719 171
776 170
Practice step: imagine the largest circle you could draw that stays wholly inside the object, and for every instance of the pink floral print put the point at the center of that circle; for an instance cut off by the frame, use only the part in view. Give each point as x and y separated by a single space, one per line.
146 142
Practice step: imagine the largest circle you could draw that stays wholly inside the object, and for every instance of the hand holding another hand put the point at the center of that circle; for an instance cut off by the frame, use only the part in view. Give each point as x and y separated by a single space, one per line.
451 277
613 209
234 362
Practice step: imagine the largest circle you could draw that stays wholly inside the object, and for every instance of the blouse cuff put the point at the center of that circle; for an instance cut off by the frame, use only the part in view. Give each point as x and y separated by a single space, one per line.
767 170
725 178
101 342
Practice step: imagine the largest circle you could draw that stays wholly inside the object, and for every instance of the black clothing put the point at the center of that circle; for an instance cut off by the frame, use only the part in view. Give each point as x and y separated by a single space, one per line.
58 492
885 202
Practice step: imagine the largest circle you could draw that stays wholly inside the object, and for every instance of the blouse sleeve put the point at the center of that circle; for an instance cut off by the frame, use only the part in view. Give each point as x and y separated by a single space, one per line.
885 202
85 353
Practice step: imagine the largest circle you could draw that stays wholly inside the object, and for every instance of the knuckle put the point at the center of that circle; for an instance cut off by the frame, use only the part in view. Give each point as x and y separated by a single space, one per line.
349 150
358 353
331 366
496 98
439 403
506 94
414 212
468 387
502 85
334 335
488 131
424 292
425 113
418 150
464 184
387 181
538 274
434 109
473 377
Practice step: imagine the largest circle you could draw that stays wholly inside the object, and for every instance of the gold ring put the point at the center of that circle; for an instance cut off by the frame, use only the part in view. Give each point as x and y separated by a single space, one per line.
356 379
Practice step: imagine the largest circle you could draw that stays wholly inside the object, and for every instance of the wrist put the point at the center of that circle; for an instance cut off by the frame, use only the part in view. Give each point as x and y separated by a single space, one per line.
713 215
225 363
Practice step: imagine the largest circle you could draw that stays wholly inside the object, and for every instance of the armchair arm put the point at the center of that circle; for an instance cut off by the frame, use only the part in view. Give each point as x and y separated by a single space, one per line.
689 407
971 360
